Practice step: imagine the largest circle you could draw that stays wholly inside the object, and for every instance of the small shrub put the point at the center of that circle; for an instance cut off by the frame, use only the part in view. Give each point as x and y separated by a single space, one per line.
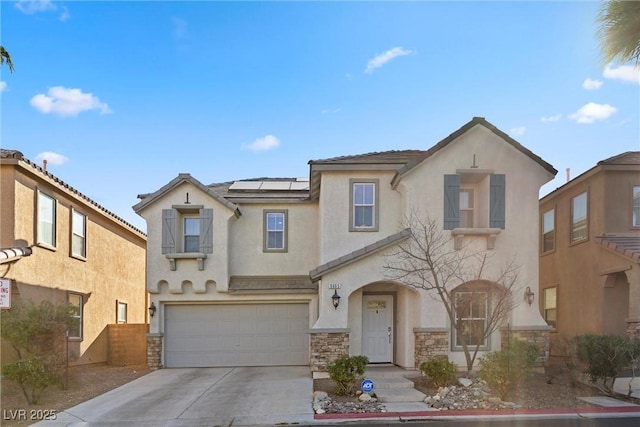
33 375
567 350
605 356
440 371
345 370
504 371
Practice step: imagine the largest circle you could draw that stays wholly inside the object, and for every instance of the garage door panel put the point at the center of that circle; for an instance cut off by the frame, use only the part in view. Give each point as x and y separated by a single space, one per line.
236 335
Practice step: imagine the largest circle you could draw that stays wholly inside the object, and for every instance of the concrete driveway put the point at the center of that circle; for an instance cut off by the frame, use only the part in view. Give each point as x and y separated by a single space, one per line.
201 396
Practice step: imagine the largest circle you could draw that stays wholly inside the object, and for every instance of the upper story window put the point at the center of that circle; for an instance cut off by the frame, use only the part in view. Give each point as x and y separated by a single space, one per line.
548 230
364 205
275 231
579 218
76 301
78 234
46 226
474 200
550 306
194 235
635 220
191 234
466 208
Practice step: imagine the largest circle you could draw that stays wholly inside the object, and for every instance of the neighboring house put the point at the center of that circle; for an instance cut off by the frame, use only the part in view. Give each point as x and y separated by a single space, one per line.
590 251
244 273
61 246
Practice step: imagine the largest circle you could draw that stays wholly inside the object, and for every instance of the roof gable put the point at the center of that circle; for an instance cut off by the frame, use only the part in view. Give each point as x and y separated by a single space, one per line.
452 137
149 199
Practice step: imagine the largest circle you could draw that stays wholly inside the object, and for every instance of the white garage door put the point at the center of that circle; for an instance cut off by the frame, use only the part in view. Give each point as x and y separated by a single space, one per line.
236 335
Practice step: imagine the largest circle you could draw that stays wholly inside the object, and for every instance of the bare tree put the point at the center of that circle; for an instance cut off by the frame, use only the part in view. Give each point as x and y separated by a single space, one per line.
476 303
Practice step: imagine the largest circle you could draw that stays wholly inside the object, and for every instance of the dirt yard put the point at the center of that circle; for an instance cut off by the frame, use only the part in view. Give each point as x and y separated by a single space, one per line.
84 383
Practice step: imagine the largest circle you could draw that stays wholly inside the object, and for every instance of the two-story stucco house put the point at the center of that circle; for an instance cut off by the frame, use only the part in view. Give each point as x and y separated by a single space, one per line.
590 251
60 245
248 272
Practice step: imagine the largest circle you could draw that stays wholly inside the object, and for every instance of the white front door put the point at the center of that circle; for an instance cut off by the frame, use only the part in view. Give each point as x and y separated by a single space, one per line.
377 328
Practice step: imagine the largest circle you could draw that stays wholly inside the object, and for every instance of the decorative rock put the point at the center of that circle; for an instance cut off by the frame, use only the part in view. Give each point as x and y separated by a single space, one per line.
364 397
465 382
320 395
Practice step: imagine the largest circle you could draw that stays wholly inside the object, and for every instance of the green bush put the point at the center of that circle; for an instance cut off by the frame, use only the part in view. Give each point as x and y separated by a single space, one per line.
605 356
440 371
345 370
37 332
33 375
504 371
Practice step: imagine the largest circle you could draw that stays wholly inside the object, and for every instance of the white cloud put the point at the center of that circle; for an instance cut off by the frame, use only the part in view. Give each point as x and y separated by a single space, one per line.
51 158
31 7
551 119
268 142
383 58
591 84
625 73
35 6
179 27
3 86
519 131
64 101
64 15
331 110
591 112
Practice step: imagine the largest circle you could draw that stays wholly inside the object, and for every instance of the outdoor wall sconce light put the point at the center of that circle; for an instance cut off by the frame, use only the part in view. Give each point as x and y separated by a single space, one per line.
528 295
152 309
335 298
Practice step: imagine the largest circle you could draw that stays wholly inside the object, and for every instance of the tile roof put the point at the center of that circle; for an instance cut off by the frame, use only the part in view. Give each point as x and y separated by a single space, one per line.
358 254
625 245
17 155
148 199
379 157
627 158
475 121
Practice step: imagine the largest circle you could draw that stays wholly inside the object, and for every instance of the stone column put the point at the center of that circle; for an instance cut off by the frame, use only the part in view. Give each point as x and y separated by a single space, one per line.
430 343
326 346
538 335
154 351
633 328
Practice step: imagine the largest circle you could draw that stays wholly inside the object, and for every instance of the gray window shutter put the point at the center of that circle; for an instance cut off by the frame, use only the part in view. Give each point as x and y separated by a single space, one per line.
497 201
206 231
451 201
168 231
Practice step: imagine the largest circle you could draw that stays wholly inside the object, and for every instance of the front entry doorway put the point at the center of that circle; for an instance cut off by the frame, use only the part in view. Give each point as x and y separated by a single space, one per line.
377 328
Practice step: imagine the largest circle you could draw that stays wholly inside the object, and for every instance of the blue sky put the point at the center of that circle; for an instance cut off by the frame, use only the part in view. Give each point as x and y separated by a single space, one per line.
122 96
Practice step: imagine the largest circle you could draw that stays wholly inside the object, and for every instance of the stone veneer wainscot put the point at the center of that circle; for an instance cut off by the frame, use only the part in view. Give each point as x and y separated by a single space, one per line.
430 343
327 346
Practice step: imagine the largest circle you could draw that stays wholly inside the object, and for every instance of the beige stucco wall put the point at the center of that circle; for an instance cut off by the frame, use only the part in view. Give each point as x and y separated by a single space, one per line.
335 238
237 250
519 240
246 245
113 270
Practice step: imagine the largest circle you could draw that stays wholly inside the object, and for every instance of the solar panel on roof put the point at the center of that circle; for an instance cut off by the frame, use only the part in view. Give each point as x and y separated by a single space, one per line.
299 185
245 185
275 185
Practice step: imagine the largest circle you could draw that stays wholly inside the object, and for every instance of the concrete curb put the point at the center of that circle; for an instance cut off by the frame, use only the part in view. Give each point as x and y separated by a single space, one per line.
630 411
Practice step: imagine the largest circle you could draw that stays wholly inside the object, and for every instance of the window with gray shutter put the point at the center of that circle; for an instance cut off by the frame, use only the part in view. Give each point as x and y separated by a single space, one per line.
206 231
169 231
497 201
451 201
